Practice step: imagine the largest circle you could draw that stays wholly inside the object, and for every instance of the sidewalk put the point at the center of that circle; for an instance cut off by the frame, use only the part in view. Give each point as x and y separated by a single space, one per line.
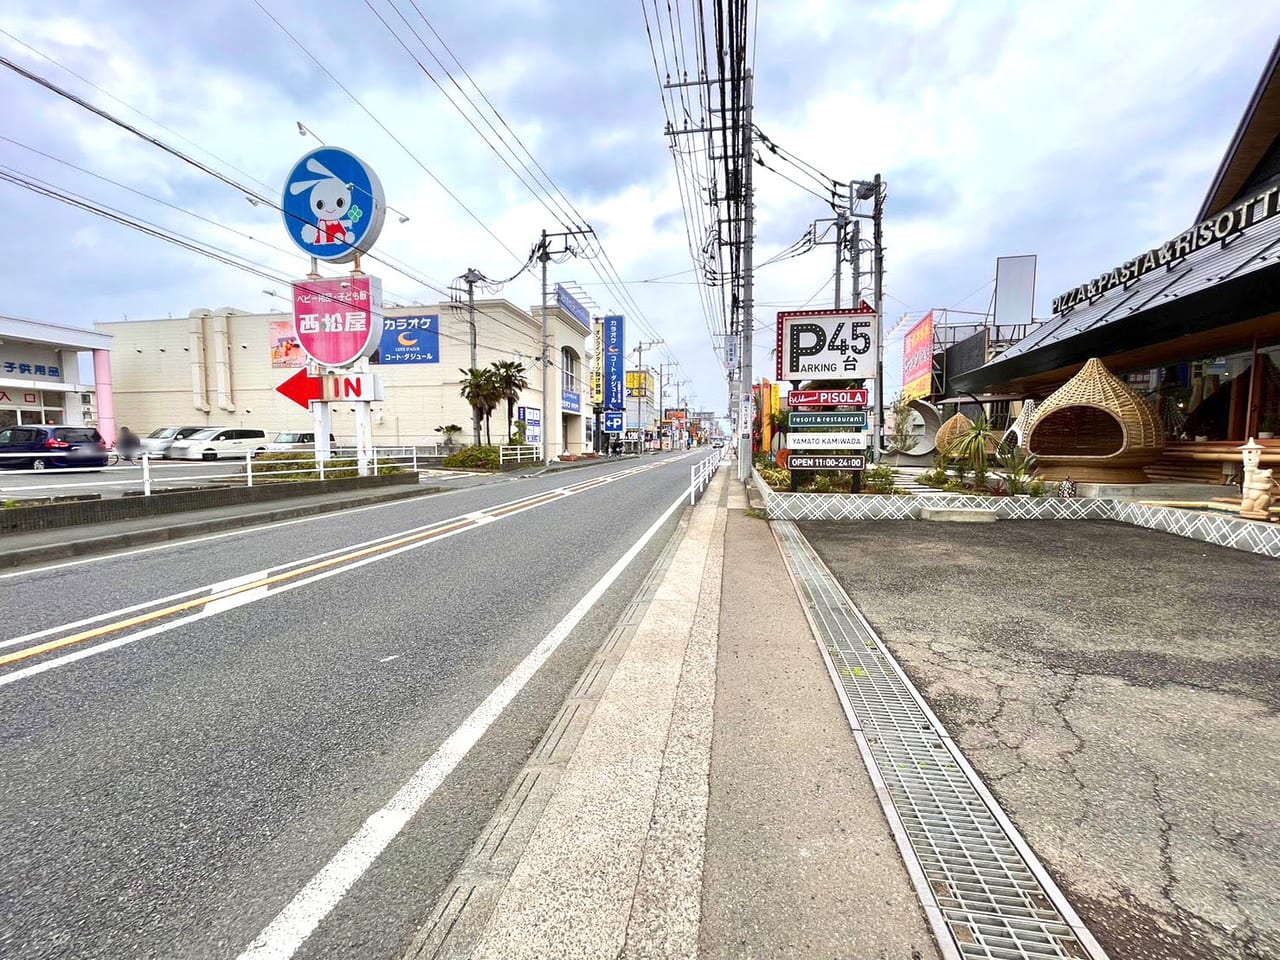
714 805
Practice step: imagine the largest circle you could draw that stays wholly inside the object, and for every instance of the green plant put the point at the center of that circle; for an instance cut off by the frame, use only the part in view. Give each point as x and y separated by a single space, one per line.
1019 465
292 465
473 457
879 479
955 486
481 389
972 448
901 438
450 432
820 483
775 477
1036 488
509 379
518 437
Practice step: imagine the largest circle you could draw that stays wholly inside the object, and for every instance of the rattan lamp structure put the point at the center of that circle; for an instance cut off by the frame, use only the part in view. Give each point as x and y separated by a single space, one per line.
949 431
1095 429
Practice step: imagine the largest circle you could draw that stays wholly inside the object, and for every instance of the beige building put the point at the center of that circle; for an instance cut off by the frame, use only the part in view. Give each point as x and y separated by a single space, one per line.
221 367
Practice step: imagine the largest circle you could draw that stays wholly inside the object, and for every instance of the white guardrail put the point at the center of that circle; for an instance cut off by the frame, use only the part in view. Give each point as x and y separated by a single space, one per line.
700 473
144 473
523 453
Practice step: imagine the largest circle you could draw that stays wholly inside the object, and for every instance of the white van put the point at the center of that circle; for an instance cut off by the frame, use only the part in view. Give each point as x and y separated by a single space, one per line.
215 443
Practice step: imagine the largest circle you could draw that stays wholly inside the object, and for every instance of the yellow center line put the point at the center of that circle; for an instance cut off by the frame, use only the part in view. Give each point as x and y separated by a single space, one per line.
524 505
231 592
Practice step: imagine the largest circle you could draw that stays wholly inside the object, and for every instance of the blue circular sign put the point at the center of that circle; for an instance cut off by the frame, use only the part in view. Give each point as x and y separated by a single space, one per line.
333 205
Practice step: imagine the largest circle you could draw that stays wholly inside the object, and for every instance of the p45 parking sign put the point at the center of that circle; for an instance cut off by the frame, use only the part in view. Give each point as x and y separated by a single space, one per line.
828 344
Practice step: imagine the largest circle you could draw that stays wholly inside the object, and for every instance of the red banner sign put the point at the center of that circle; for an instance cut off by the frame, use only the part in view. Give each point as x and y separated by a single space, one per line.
917 359
338 321
827 398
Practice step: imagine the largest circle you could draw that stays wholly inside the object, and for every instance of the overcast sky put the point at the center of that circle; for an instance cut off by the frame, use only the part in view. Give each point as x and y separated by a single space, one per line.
1084 132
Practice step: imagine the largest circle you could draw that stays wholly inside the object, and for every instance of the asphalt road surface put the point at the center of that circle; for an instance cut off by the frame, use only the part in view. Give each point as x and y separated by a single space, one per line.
282 741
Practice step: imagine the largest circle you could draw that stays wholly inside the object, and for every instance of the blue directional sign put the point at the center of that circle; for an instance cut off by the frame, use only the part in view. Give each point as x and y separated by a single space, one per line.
614 357
613 421
333 205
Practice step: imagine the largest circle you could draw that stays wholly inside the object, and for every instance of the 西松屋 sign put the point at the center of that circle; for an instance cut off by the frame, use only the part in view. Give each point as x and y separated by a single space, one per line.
1214 230
828 344
338 321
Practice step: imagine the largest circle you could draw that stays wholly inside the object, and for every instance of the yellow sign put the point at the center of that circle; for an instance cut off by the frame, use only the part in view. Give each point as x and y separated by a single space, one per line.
597 366
639 383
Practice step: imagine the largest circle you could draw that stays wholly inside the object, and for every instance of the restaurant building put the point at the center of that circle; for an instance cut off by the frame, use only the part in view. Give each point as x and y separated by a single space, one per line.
1192 323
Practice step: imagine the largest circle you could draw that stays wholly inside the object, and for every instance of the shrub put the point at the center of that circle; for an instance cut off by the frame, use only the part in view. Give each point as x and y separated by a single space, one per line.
1036 489
820 484
879 479
476 458
290 465
775 477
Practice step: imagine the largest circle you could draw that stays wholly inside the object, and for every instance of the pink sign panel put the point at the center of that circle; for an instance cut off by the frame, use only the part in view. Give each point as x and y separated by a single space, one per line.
338 321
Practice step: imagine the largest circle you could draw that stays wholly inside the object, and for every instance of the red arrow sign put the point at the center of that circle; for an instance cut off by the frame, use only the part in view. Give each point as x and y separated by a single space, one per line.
302 388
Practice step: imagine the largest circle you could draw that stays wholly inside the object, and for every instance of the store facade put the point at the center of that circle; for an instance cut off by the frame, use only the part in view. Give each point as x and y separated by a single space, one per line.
221 367
1193 324
40 376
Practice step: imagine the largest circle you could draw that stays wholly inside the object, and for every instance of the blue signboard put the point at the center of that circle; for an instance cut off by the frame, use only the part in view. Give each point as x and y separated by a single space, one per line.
614 355
613 421
566 300
570 401
410 340
333 205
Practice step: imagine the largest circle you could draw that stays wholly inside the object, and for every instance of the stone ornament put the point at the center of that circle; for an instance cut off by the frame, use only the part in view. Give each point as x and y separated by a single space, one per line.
1257 490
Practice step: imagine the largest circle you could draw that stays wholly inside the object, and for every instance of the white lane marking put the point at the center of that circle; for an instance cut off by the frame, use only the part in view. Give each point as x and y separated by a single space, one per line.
523 505
282 937
223 604
244 531
394 656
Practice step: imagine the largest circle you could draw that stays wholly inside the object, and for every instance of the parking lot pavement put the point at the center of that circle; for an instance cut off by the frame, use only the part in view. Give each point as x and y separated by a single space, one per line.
1117 690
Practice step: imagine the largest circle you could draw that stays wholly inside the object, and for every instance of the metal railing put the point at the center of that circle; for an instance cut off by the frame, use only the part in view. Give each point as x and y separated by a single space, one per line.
521 453
700 474
144 474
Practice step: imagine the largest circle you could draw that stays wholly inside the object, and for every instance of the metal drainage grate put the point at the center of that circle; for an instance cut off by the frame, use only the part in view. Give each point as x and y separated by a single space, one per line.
985 893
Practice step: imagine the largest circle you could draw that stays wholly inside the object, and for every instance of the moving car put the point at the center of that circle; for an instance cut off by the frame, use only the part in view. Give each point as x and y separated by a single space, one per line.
35 447
158 441
214 443
296 441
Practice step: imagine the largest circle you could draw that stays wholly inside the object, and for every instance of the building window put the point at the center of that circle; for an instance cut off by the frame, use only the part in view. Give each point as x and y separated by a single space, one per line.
569 364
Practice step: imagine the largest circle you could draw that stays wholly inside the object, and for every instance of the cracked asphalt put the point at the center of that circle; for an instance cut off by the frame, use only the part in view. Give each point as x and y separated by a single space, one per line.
1117 689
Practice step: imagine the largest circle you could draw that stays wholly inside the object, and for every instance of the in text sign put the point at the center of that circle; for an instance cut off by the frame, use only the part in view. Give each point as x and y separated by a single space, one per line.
351 387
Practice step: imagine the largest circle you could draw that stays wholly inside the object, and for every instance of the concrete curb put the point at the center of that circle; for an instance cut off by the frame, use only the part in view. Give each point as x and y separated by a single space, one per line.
91 546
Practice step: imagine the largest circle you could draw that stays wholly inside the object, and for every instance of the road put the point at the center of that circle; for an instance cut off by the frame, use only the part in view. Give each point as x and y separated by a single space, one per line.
202 741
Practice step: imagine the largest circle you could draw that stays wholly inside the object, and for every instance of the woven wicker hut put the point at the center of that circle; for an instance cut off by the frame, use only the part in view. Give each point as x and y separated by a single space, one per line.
1095 429
949 431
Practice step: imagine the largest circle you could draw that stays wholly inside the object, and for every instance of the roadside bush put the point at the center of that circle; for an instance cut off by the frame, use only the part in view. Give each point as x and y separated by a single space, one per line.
820 483
1036 488
289 465
879 479
775 477
474 458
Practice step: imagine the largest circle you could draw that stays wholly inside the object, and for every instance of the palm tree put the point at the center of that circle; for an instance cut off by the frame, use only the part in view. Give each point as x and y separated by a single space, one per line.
480 389
511 380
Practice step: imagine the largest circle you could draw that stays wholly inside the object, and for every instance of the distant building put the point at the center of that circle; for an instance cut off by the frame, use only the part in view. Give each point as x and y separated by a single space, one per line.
40 375
221 367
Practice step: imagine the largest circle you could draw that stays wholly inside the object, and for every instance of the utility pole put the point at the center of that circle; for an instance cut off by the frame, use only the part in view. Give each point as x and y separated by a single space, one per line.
878 267
744 443
841 220
544 254
857 262
471 277
641 347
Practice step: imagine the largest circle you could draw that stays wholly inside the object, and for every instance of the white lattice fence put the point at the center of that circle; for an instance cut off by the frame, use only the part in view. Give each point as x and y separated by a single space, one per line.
1220 529
1216 528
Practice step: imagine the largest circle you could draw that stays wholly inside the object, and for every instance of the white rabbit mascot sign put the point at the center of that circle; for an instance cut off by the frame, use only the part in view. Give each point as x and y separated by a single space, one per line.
333 205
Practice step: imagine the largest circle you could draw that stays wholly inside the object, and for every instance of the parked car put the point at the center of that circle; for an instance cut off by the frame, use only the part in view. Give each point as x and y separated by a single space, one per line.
36 447
717 442
297 441
158 441
214 443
